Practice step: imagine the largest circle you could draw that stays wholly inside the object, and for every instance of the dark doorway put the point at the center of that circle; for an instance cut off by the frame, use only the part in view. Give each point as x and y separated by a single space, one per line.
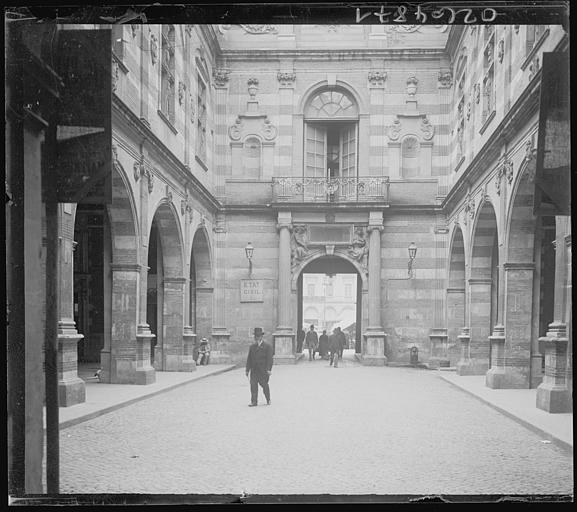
92 235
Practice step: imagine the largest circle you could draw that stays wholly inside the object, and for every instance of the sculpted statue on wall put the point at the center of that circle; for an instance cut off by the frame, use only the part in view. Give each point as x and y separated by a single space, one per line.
359 249
299 243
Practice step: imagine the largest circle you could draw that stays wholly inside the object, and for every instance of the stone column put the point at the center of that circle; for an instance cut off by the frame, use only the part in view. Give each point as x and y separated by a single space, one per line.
284 337
479 325
145 373
220 334
455 320
173 307
374 345
125 282
554 393
71 388
512 342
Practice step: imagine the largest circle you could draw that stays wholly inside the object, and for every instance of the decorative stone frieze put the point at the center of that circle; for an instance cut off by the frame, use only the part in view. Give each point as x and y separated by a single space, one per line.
220 77
234 130
468 110
181 92
115 75
501 50
477 92
286 79
394 130
412 82
259 29
445 79
533 67
508 170
150 177
427 129
299 243
377 78
153 48
359 248
252 84
469 208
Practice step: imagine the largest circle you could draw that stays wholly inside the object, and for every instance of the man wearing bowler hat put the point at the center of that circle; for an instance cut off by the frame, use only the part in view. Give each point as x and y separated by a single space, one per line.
259 364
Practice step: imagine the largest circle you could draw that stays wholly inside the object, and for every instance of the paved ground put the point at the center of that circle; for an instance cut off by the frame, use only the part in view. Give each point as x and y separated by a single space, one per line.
351 430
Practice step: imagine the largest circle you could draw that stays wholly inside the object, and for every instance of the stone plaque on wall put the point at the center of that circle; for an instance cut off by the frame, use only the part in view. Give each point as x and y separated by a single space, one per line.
251 290
327 233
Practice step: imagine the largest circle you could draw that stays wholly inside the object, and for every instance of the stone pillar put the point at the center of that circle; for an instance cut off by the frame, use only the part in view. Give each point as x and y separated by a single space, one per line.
284 337
513 362
188 343
479 324
173 325
464 366
220 334
125 282
71 388
145 373
455 320
374 345
496 376
554 394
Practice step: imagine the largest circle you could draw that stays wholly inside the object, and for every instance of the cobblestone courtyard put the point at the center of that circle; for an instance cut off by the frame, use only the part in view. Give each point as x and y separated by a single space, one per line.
351 430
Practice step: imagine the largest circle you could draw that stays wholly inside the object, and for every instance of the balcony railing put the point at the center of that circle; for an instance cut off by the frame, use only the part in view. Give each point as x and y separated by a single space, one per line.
335 190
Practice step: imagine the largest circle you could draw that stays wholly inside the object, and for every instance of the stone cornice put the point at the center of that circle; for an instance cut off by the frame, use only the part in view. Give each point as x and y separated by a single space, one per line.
181 172
519 266
323 54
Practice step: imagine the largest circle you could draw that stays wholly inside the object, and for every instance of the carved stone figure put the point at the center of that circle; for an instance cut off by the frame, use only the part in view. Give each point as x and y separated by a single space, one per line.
286 79
412 85
299 243
153 48
359 249
395 130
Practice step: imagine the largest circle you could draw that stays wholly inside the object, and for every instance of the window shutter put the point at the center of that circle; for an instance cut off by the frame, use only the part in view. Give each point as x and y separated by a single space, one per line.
315 151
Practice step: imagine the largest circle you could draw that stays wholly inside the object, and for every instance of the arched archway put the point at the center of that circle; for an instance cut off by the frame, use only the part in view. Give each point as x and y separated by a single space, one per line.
332 274
165 293
456 293
483 299
106 279
529 287
201 286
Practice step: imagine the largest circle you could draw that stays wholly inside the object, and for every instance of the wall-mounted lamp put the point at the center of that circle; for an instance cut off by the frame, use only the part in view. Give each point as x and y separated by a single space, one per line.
412 255
249 249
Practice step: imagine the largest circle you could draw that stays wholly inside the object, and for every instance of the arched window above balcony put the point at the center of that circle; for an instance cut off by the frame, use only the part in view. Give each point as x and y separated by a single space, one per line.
332 104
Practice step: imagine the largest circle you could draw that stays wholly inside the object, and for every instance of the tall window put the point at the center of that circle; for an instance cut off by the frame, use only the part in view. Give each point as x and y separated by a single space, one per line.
167 73
331 119
488 75
201 120
460 92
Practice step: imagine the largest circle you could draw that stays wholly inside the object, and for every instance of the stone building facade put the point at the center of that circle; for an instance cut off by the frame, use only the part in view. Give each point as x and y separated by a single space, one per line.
327 147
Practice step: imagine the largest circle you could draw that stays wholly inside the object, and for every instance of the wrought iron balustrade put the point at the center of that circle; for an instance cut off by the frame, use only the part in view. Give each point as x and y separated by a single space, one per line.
333 190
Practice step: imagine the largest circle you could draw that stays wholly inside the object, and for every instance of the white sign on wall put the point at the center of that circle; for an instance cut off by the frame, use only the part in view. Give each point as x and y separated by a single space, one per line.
251 290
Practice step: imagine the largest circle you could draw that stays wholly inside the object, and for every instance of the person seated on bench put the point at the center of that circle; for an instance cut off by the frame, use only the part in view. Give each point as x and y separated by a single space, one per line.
203 352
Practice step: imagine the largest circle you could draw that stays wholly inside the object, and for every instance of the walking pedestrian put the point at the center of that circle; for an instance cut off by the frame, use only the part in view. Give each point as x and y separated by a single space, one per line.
324 345
300 340
334 346
343 341
311 341
259 365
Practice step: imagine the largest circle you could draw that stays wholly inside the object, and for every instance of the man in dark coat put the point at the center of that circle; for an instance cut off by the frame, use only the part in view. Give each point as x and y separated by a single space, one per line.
259 364
311 341
343 341
335 344
324 345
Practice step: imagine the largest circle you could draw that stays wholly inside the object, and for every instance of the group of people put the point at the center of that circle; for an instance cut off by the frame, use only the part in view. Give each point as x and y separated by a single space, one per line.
328 347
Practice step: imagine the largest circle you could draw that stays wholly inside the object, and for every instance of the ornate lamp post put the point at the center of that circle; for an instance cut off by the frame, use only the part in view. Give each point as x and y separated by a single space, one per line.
412 255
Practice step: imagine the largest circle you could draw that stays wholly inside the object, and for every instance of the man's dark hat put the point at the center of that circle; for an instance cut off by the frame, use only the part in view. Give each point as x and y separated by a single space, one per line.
258 331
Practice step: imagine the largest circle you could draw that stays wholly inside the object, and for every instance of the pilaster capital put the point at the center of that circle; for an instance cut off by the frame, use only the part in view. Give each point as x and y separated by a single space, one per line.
375 227
281 225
